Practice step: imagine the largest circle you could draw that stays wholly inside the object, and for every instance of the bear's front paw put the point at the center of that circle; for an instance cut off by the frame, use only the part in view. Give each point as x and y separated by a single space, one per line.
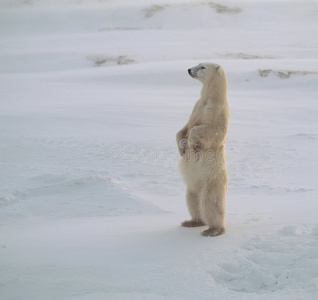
182 146
196 147
194 140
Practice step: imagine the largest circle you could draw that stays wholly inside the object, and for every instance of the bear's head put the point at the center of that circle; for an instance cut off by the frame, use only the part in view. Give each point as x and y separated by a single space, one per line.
206 72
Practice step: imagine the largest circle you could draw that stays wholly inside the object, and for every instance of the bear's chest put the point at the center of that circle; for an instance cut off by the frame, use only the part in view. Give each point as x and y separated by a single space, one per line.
202 114
207 111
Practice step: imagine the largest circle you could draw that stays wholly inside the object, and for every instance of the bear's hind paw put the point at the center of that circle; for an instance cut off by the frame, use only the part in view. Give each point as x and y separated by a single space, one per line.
213 231
192 223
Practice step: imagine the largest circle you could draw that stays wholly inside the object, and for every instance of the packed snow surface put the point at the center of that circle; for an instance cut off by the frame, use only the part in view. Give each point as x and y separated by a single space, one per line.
92 94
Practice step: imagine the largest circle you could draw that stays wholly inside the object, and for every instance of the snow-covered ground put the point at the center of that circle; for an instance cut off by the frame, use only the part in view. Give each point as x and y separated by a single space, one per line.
92 94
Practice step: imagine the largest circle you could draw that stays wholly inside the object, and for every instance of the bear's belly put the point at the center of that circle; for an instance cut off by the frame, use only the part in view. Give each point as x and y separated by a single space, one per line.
199 169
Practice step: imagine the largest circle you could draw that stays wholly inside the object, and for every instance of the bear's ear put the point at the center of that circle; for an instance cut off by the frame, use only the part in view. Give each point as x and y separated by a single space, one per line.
219 71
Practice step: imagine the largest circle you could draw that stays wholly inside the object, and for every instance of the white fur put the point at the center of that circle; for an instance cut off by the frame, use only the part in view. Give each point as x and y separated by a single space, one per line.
201 146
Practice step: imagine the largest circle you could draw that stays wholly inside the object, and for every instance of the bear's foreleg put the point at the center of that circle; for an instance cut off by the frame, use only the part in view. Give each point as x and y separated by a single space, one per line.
204 137
182 141
198 136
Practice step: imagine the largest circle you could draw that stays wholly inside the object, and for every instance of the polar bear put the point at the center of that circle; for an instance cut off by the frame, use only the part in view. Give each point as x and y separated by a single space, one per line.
201 146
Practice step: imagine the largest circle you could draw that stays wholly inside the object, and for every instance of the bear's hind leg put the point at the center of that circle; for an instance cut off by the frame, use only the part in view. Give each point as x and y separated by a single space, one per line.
193 207
212 206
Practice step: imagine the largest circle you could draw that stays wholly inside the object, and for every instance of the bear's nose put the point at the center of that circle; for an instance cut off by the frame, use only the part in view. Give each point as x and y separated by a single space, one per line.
189 71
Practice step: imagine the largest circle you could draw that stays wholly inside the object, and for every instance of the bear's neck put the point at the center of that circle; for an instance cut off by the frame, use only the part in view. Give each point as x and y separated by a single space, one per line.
214 91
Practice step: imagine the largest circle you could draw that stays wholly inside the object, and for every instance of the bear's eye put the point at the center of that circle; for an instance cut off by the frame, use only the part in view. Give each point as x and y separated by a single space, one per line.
202 68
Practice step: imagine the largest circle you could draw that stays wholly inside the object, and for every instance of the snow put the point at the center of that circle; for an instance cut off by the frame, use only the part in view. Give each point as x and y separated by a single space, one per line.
92 94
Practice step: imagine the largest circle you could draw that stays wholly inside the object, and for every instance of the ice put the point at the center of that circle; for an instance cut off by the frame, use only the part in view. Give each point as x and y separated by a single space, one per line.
92 94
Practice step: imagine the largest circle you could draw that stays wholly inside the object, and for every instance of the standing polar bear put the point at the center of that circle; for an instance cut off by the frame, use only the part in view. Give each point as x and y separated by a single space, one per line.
201 145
